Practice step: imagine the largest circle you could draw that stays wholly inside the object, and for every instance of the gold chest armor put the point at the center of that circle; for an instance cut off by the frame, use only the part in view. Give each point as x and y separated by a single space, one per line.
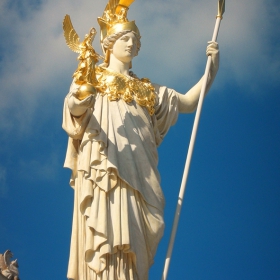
117 86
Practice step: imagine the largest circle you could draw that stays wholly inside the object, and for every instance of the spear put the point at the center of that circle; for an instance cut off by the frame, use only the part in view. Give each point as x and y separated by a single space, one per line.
219 17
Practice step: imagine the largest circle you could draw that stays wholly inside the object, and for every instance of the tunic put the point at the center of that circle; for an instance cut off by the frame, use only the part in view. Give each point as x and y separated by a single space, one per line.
118 201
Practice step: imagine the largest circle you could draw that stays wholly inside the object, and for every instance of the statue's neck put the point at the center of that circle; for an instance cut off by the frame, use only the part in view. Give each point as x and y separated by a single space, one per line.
118 66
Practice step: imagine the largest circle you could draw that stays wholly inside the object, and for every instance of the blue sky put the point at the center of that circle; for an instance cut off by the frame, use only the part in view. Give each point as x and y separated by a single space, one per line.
230 221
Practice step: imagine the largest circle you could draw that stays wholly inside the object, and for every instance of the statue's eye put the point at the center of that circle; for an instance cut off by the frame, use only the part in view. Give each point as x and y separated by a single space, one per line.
125 38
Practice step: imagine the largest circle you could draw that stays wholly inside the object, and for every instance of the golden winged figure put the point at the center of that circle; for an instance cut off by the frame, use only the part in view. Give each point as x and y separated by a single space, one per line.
85 73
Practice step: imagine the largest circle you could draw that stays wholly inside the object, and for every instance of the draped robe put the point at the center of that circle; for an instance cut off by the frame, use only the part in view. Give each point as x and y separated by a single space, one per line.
118 201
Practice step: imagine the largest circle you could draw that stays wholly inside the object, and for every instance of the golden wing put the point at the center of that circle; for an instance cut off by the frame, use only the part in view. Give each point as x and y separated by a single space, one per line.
70 35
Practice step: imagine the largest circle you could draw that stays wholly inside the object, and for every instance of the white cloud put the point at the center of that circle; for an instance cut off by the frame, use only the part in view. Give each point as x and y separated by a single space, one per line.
249 56
36 61
177 33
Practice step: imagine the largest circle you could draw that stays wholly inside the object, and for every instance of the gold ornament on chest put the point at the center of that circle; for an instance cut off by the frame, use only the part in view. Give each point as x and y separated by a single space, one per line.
117 86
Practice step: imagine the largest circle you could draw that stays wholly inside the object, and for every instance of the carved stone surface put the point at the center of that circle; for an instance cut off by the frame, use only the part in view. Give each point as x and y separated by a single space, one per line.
8 268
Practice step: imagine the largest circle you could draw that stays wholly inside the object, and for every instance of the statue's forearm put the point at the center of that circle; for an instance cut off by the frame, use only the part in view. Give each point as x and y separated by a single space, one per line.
188 102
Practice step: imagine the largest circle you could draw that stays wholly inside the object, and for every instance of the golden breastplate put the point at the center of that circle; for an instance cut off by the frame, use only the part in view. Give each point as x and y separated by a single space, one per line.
117 86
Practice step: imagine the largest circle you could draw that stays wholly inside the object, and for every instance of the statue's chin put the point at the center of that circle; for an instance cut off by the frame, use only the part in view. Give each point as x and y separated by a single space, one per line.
85 90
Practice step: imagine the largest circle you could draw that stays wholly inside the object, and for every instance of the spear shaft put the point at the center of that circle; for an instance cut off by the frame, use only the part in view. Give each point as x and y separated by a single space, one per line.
221 10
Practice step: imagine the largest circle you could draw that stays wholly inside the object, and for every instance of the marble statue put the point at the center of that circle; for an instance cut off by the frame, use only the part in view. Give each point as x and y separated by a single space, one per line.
8 268
115 122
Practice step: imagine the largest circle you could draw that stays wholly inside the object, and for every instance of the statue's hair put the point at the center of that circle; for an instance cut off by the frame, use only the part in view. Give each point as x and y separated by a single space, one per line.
109 41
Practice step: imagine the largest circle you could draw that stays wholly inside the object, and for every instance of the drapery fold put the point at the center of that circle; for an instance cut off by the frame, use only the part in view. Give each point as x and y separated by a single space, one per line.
118 204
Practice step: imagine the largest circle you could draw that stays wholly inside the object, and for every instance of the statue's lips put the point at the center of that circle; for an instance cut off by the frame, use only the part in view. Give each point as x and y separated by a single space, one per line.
129 50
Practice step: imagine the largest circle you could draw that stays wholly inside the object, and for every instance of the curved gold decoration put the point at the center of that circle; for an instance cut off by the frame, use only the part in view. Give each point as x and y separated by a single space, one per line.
129 25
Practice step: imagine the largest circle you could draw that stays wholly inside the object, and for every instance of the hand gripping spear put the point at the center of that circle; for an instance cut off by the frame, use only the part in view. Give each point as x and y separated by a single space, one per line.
221 10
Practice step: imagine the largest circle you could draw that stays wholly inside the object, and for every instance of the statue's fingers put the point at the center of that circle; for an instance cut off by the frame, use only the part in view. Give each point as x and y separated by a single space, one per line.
211 51
213 43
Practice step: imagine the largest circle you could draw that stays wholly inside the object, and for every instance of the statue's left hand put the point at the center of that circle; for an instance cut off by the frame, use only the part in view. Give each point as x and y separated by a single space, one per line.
213 51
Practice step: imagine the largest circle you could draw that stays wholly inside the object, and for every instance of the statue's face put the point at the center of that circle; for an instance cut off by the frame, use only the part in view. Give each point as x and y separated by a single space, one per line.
125 48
